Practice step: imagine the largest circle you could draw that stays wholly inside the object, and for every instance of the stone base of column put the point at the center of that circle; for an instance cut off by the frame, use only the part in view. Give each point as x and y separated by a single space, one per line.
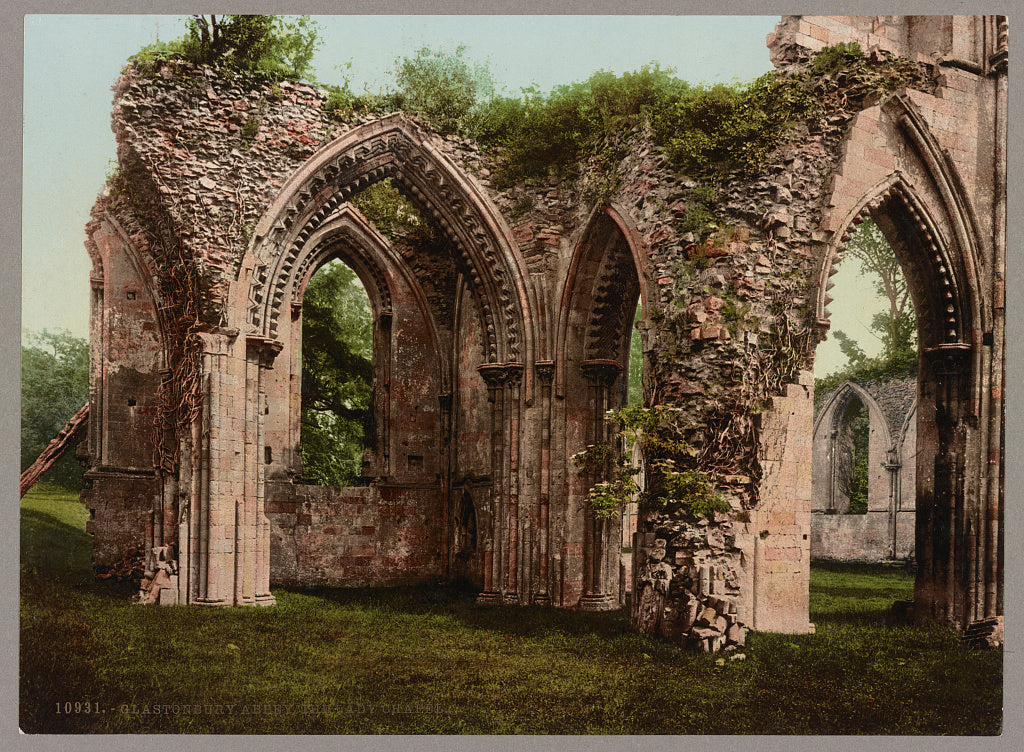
488 599
598 602
210 602
265 599
541 599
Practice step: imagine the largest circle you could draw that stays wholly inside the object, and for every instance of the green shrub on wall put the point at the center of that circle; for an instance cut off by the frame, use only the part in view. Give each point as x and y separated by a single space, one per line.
680 493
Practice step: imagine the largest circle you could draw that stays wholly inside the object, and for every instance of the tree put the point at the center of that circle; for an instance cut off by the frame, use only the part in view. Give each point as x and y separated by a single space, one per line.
855 481
279 46
54 385
443 87
337 375
897 327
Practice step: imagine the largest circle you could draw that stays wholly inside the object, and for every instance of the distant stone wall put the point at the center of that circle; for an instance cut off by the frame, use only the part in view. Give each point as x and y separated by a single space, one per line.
371 536
887 530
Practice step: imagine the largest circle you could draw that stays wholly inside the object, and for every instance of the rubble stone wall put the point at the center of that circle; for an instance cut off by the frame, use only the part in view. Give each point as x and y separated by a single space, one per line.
372 536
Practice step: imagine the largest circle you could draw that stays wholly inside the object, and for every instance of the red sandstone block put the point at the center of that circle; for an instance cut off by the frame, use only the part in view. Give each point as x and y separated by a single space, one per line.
861 135
368 530
819 33
881 158
523 233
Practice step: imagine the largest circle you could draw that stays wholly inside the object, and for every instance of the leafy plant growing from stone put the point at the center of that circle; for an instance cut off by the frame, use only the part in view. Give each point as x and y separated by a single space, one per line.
676 492
280 47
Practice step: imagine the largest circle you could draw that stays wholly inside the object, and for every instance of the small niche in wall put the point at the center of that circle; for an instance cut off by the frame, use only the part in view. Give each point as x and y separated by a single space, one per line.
415 461
130 295
268 455
131 403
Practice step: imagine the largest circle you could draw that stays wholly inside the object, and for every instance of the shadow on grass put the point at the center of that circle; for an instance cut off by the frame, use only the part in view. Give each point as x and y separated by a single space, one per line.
42 534
459 603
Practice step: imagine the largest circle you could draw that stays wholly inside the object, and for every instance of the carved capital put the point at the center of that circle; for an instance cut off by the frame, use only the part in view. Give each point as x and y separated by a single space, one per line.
949 359
601 372
498 375
545 370
215 343
513 374
265 348
493 374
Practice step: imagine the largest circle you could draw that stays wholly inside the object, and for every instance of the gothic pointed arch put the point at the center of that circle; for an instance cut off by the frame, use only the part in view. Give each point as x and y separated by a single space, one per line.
394 147
128 319
602 286
944 291
832 412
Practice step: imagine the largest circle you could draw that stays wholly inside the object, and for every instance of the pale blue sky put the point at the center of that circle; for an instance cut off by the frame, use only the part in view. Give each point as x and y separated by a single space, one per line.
71 62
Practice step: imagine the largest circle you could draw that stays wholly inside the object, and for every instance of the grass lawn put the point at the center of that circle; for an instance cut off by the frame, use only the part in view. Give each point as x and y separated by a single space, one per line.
428 661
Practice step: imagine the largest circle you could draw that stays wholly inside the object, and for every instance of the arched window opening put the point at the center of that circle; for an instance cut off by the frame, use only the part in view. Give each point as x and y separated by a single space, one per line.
851 448
337 376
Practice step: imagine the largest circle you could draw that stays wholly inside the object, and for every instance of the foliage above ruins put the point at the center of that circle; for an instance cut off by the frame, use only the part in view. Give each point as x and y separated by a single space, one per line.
280 47
707 132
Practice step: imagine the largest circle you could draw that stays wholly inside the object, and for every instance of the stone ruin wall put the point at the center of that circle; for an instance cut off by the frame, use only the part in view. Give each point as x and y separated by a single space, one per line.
886 531
201 183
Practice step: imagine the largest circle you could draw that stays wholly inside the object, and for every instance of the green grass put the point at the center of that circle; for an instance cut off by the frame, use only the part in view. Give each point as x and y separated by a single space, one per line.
427 660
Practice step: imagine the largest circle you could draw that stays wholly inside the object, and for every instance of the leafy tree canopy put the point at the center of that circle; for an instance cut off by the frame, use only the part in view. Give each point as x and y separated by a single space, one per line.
278 46
443 87
895 327
54 385
337 375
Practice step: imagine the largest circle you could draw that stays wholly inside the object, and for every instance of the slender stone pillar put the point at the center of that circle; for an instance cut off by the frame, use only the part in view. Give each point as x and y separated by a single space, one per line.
494 375
600 376
943 514
211 575
223 532
545 373
260 355
513 378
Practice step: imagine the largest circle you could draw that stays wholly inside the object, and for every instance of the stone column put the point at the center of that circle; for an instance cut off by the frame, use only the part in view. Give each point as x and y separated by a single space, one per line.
892 467
253 582
600 376
211 544
224 533
382 393
944 525
494 375
545 374
97 347
444 402
513 378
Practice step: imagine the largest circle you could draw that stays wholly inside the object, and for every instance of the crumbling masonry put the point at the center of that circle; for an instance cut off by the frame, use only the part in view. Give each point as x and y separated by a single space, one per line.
498 351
